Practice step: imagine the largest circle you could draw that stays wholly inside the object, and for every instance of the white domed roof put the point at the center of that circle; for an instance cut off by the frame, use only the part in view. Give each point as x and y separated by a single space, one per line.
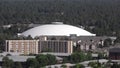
56 29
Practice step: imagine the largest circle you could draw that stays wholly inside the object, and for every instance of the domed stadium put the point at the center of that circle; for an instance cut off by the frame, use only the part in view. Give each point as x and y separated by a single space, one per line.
56 29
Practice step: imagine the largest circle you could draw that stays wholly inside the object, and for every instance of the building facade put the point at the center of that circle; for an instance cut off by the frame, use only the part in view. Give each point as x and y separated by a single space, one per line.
89 43
114 53
58 46
39 46
22 46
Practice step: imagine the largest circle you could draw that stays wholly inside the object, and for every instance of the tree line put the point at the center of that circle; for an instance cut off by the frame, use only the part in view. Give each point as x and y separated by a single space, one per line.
37 62
41 60
98 16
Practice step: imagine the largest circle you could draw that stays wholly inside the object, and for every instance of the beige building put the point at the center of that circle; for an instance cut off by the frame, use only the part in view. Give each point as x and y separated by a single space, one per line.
55 44
38 46
22 46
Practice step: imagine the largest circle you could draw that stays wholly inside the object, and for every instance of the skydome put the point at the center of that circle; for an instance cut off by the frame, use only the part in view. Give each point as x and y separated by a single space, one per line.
56 29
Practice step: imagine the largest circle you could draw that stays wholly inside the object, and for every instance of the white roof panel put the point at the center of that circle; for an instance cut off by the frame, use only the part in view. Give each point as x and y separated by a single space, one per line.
56 30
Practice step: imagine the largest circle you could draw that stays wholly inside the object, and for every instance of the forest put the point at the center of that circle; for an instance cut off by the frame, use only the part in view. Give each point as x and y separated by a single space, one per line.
101 17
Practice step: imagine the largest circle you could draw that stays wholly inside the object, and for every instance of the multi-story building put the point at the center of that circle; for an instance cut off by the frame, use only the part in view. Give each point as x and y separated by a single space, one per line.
22 46
38 46
87 43
58 46
114 53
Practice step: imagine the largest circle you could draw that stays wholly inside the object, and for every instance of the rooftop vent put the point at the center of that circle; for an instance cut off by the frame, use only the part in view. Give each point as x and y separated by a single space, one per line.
57 23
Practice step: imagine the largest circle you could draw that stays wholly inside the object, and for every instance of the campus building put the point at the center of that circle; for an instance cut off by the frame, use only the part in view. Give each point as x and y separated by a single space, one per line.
57 46
87 43
56 37
56 29
22 46
114 53
39 46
